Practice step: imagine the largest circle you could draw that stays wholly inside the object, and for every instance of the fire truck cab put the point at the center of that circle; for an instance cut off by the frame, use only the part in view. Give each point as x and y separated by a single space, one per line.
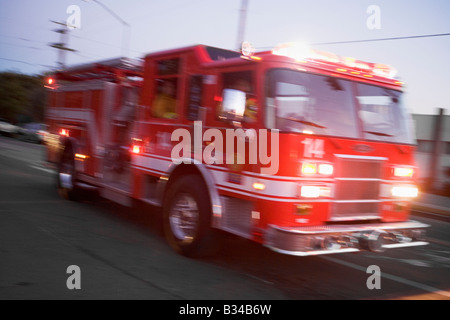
300 150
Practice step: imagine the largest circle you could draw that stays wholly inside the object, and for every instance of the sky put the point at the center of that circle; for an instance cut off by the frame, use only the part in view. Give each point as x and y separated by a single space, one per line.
138 27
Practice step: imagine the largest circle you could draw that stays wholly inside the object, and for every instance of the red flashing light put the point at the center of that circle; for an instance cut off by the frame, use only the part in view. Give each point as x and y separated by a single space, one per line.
64 132
136 149
50 83
137 146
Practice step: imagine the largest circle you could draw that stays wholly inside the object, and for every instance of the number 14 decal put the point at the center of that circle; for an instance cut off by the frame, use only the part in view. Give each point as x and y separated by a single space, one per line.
313 148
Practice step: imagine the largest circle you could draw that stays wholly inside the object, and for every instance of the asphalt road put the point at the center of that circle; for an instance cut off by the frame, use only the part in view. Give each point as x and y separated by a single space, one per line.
121 253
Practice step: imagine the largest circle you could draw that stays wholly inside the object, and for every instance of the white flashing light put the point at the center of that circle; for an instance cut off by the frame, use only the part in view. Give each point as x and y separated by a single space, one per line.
403 172
326 56
295 50
383 70
362 66
309 168
405 191
310 192
312 168
247 49
349 62
326 169
302 53
315 191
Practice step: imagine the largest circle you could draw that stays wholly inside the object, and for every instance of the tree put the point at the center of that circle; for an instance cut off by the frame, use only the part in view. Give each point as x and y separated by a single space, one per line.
22 97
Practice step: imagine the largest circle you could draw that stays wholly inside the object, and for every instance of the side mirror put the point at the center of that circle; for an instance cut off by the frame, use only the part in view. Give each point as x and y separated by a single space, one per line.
233 105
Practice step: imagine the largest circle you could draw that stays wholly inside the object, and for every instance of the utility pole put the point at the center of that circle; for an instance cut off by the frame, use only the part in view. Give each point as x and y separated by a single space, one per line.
242 23
435 156
61 45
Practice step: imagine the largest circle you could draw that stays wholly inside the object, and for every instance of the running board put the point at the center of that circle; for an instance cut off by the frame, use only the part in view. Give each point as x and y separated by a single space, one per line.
86 186
116 195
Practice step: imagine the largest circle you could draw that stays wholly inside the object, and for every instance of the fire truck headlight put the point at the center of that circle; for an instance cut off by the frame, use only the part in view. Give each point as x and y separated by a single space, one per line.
309 168
326 169
405 191
315 191
310 191
312 168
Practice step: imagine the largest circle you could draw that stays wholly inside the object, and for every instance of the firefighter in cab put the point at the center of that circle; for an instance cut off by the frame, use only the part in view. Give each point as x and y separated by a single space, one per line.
165 103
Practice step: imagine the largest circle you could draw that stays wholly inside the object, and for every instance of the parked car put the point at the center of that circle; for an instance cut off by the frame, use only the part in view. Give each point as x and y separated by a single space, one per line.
33 132
7 129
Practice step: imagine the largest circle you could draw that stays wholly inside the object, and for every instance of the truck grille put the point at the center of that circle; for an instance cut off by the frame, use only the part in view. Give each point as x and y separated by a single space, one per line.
238 216
357 189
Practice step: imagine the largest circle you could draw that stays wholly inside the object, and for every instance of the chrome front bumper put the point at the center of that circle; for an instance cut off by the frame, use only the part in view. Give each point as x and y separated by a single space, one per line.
327 239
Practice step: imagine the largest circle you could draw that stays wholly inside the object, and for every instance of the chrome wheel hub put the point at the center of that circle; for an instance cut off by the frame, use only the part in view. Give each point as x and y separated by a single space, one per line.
184 217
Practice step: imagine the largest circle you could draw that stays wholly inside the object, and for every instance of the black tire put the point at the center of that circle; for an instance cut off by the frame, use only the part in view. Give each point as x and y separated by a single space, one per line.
187 217
66 175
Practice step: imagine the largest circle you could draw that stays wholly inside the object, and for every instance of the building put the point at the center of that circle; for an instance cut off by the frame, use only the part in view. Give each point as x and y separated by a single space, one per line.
433 151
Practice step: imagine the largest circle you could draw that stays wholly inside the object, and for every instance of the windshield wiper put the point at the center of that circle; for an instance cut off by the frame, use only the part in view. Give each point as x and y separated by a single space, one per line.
379 133
309 123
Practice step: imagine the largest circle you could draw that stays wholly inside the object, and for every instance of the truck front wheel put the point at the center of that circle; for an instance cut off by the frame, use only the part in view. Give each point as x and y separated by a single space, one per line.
187 217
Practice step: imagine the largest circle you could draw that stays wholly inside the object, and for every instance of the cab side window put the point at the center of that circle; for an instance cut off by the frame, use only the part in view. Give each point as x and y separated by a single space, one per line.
165 102
166 87
242 81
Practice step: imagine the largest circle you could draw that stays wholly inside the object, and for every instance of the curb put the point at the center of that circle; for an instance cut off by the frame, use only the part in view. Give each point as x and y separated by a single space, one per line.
430 211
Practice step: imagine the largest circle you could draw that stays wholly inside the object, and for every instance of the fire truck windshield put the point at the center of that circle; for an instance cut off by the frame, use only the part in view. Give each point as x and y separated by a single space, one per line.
317 104
383 115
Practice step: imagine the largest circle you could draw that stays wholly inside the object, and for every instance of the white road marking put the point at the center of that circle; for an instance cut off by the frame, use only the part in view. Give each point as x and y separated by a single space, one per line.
13 202
393 278
43 169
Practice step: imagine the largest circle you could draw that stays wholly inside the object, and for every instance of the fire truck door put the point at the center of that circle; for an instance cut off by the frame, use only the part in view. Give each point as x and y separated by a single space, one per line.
116 170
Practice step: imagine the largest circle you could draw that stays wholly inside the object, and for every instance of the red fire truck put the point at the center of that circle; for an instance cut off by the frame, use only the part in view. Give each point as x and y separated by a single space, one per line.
332 170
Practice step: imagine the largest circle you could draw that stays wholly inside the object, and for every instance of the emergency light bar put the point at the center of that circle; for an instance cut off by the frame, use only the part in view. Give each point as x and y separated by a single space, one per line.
303 53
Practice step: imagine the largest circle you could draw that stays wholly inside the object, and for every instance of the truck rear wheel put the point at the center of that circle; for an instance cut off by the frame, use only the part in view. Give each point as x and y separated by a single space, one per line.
187 217
66 175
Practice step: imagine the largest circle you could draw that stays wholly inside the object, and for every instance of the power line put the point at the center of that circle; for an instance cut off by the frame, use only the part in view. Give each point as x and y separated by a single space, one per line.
29 46
126 37
19 38
19 45
25 62
102 43
373 40
20 61
385 39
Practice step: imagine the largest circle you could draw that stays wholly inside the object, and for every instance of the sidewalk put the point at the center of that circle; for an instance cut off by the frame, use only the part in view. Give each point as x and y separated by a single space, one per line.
433 204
